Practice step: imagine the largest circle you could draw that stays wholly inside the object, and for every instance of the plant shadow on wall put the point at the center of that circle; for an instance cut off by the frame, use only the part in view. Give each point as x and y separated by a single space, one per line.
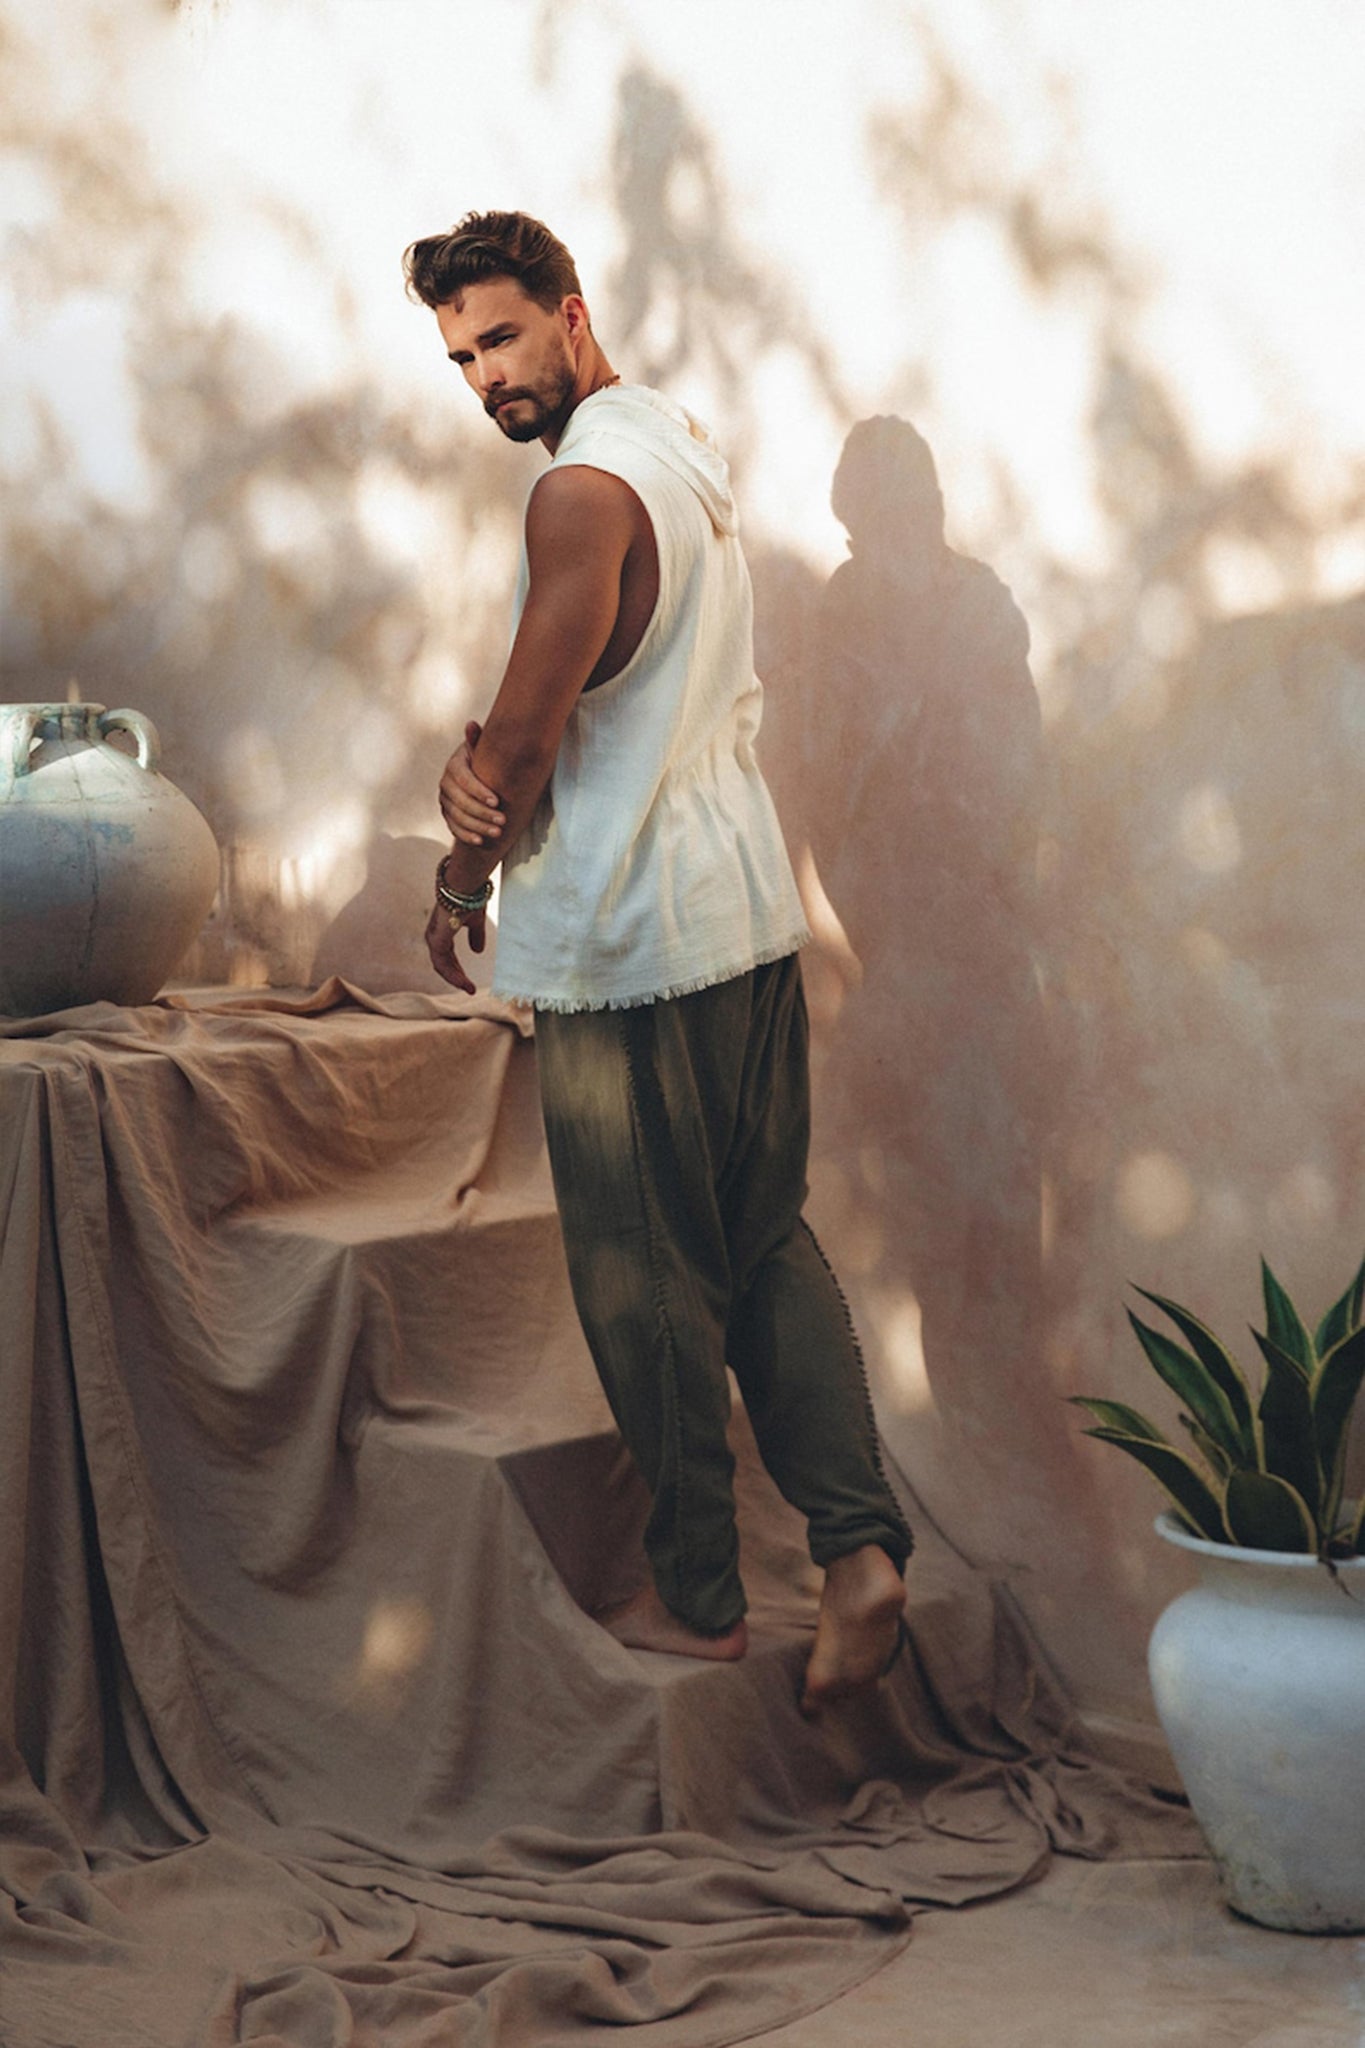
1083 992
275 589
902 738
1191 1079
686 296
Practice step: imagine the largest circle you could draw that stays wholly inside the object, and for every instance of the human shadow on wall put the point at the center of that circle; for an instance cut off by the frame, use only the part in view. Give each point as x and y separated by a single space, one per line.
922 781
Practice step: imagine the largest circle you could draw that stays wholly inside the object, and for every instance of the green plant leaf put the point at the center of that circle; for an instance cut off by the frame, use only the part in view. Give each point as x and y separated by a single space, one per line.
1287 1432
1217 1361
1185 1484
1115 1415
1214 1456
1343 1316
1284 1325
1264 1513
1333 1487
1194 1385
1334 1392
1357 1530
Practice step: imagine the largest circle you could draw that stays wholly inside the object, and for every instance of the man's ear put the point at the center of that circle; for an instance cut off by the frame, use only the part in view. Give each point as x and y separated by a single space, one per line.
576 315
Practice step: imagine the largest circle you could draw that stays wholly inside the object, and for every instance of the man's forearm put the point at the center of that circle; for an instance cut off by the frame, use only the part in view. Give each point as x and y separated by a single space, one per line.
580 526
519 772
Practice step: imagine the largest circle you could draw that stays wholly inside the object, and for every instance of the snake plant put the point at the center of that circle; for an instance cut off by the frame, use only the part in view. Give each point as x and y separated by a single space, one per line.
1266 1473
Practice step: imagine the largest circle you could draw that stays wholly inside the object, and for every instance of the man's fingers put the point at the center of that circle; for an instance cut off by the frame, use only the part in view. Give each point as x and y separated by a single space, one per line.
476 931
475 792
461 771
458 822
460 826
469 808
475 811
441 949
450 970
462 823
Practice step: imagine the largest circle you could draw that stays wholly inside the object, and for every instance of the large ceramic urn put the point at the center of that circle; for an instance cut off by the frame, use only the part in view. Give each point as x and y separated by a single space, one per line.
107 871
1259 1678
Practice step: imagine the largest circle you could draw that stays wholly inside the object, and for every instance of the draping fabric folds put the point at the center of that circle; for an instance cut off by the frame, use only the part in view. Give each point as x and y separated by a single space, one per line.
305 1483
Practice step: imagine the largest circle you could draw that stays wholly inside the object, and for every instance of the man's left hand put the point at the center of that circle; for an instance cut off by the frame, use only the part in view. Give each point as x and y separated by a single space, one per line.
441 946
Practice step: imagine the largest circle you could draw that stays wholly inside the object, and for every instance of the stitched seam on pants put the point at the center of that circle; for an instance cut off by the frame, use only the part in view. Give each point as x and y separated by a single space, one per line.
874 1433
669 1371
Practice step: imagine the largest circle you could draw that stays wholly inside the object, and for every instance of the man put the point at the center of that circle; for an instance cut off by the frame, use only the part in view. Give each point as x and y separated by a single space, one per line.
649 915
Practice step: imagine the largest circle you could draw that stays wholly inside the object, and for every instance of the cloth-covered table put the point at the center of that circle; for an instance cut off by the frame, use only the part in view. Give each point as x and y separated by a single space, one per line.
307 1737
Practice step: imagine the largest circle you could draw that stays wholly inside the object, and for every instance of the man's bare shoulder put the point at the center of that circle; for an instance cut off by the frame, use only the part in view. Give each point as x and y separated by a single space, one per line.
576 486
578 504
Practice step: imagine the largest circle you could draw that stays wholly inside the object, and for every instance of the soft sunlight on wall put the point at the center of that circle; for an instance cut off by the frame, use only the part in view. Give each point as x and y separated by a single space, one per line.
309 140
1086 993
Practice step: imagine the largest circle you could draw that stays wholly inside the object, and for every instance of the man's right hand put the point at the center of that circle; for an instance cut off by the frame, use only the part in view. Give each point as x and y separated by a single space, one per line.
471 810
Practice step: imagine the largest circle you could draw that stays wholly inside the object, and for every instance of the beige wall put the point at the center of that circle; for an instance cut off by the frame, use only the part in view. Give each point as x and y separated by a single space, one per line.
1087 979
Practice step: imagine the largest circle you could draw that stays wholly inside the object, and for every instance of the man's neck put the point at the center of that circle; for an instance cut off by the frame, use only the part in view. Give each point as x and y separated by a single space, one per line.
594 374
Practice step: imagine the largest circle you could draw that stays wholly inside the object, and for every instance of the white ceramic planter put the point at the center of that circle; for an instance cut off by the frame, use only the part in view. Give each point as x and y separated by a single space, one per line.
1259 1678
107 871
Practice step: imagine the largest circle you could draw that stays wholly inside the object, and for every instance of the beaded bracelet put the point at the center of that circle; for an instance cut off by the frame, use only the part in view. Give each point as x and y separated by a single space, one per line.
451 899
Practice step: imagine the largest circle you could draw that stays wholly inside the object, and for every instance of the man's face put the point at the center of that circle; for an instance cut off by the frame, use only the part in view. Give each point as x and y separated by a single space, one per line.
517 358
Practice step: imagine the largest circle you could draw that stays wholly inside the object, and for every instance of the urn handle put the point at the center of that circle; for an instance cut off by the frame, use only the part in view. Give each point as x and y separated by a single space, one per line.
18 724
142 730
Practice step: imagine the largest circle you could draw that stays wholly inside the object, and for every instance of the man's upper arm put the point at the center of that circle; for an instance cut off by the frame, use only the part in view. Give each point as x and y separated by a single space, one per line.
579 526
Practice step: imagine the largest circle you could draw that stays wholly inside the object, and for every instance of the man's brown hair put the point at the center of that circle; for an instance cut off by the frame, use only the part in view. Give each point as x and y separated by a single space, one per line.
483 245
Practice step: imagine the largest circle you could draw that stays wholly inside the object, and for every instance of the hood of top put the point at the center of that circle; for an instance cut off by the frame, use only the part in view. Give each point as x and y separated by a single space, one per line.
675 435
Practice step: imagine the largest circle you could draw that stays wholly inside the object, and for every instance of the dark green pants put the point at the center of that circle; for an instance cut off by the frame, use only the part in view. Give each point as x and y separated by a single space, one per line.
678 1134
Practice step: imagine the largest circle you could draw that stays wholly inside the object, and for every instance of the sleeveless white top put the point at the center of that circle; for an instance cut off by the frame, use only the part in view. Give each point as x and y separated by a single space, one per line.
655 864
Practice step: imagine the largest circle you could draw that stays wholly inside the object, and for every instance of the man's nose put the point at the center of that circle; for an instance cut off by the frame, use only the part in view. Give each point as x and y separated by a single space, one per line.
489 374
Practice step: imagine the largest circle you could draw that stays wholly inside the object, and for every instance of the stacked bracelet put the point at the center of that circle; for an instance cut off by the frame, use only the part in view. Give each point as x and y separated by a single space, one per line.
453 901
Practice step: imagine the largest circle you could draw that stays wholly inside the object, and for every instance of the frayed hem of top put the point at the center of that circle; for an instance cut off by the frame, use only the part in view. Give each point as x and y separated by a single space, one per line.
570 1006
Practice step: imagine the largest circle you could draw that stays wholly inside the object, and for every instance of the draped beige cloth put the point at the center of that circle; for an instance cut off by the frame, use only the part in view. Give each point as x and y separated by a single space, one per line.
306 1737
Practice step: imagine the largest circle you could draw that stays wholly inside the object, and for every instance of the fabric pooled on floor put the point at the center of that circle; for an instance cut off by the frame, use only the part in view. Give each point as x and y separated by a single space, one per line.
306 1482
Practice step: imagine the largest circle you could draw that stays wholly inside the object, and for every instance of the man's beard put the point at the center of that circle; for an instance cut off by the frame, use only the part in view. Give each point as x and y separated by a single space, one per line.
547 398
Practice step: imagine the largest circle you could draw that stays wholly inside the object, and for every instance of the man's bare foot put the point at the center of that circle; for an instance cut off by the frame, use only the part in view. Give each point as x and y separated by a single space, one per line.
644 1623
858 1630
